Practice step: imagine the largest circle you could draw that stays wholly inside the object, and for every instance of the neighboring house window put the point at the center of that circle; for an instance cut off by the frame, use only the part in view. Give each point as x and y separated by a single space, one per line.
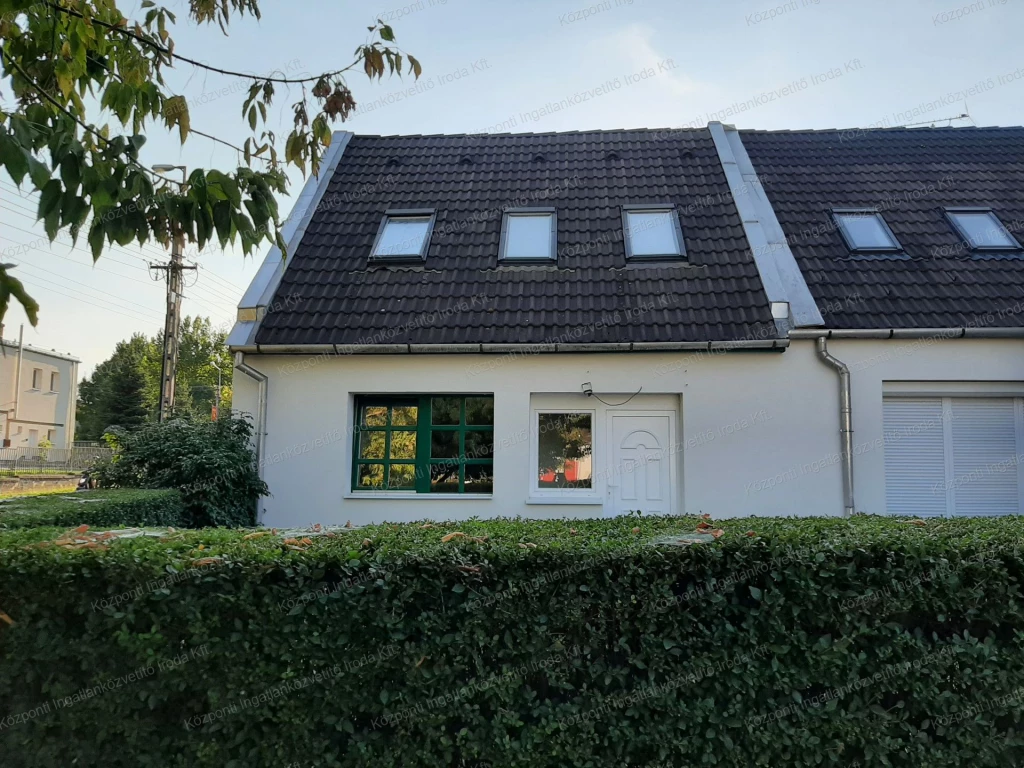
981 229
33 438
51 435
865 230
528 234
37 378
652 232
54 381
424 444
403 235
565 451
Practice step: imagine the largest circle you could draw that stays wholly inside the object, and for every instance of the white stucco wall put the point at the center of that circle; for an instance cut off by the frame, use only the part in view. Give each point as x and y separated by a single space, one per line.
758 431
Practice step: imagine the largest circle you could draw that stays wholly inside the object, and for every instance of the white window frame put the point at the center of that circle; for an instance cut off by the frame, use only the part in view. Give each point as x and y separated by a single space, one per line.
37 386
951 214
627 236
592 495
404 213
839 213
512 213
54 381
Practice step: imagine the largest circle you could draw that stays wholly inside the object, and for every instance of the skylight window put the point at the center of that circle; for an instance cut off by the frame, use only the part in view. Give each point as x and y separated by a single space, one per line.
403 235
652 232
982 230
865 230
528 234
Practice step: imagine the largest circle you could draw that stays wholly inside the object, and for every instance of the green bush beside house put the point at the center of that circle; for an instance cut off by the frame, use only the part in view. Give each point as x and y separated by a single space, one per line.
811 642
108 508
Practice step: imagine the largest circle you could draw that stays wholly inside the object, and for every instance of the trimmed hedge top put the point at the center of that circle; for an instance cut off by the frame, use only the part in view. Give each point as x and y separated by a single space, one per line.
106 508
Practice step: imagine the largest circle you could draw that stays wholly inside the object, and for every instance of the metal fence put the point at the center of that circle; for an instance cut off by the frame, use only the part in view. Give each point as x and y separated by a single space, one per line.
50 461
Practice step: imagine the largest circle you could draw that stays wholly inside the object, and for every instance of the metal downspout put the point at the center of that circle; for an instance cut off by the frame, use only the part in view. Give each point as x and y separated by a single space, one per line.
845 421
261 407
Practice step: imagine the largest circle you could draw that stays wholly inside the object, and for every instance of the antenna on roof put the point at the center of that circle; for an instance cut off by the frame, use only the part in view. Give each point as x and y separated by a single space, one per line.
949 120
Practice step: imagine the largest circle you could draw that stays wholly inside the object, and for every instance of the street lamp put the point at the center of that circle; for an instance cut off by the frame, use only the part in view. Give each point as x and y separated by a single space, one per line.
164 168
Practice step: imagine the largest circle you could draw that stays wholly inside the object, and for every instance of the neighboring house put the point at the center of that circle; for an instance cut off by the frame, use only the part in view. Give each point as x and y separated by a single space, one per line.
673 321
38 396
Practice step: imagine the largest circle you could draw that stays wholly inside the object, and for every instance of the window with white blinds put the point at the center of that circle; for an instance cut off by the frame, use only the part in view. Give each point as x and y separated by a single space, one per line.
954 455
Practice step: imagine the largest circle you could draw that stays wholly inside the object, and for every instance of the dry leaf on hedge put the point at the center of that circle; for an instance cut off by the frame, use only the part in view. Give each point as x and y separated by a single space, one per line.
255 535
206 561
367 543
918 523
636 530
418 663
572 531
348 524
425 526
702 525
751 534
5 617
718 533
450 536
527 545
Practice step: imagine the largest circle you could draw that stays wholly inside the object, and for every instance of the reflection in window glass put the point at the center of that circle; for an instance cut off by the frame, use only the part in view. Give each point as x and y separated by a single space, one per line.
371 476
403 444
404 416
480 410
375 416
444 478
371 445
402 477
480 445
479 478
445 410
444 445
564 450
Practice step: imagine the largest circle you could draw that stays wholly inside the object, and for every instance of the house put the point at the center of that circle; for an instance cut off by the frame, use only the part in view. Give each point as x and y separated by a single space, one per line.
38 396
672 321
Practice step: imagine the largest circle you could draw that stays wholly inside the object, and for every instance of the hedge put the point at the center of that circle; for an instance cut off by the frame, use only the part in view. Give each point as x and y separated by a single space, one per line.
810 642
106 508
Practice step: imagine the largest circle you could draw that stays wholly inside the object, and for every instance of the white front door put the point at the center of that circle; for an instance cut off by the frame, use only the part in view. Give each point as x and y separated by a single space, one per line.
641 474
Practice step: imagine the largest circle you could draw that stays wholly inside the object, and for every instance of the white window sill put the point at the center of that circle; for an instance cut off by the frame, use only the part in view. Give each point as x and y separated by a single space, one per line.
595 501
416 496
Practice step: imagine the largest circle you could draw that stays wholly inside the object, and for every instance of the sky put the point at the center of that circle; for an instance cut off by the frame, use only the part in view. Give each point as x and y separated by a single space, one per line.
524 66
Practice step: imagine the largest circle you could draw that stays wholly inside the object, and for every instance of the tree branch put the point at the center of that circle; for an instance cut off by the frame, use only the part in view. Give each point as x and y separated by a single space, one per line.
42 91
168 52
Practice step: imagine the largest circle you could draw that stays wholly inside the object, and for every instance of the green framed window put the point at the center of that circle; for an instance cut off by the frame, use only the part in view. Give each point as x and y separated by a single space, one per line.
424 444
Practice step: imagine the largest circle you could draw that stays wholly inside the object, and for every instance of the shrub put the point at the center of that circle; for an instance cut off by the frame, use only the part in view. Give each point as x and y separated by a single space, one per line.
98 509
810 642
211 463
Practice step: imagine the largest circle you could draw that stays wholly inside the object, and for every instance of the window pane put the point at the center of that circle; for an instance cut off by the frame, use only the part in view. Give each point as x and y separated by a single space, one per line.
444 445
371 445
404 415
445 410
444 478
564 450
866 230
984 230
479 478
528 236
403 444
479 445
402 477
652 233
374 416
480 410
403 236
370 476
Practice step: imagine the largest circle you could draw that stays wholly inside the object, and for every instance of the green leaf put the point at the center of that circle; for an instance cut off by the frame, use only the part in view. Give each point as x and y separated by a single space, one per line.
755 593
386 33
50 198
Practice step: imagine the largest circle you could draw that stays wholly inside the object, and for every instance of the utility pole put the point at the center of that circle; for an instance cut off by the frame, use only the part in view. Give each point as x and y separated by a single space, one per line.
172 321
